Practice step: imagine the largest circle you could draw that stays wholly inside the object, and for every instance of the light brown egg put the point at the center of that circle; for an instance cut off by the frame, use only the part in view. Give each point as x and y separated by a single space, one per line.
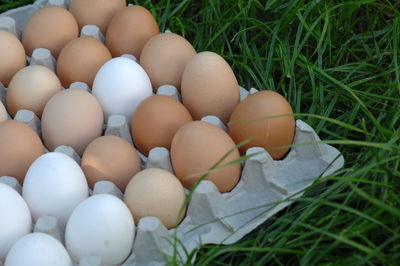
12 55
268 133
158 193
164 57
209 87
129 30
156 121
72 117
110 158
3 113
198 146
80 60
51 28
31 88
20 146
95 12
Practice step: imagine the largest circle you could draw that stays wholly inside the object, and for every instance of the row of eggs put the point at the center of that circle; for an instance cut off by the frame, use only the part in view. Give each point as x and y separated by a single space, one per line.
55 185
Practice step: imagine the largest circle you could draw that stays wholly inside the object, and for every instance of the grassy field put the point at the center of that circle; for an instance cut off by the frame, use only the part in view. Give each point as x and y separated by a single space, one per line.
337 63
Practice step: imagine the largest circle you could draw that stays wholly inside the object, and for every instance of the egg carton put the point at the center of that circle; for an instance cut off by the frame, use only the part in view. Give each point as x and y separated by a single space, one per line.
266 186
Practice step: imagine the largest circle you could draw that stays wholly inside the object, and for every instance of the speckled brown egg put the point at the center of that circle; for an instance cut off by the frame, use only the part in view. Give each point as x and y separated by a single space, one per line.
12 56
158 193
3 112
209 87
95 12
110 158
156 121
20 146
164 57
250 120
80 60
31 88
51 28
129 30
198 146
72 117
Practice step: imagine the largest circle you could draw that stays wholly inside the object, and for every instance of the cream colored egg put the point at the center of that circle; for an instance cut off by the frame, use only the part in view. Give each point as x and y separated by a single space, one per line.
72 117
158 193
209 87
164 57
31 88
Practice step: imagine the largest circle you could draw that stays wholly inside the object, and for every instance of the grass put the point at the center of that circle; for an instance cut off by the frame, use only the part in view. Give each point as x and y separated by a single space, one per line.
337 62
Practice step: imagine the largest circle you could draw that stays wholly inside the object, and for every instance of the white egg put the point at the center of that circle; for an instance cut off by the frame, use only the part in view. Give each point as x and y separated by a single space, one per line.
120 86
15 220
54 185
38 249
103 226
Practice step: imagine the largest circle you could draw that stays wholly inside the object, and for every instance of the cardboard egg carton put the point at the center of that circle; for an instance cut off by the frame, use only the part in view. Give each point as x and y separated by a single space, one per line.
266 186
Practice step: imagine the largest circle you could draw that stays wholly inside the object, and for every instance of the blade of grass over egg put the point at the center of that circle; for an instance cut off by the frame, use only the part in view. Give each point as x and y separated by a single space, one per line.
213 168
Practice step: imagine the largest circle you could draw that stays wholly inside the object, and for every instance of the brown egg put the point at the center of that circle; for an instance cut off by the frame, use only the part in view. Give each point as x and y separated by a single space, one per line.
20 146
3 113
129 30
268 133
209 87
80 60
158 193
95 12
51 28
31 88
196 147
156 121
12 55
164 58
72 117
110 158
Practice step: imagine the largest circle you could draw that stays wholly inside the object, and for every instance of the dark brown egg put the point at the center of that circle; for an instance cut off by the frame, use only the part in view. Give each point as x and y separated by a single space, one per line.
250 120
20 146
198 146
110 158
129 30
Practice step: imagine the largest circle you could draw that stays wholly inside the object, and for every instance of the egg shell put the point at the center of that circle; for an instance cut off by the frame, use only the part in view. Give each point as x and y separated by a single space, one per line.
102 226
15 219
54 185
110 158
50 27
20 146
12 55
95 12
250 120
38 249
209 87
164 57
196 147
129 30
80 60
72 117
120 86
31 88
156 121
3 113
168 205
